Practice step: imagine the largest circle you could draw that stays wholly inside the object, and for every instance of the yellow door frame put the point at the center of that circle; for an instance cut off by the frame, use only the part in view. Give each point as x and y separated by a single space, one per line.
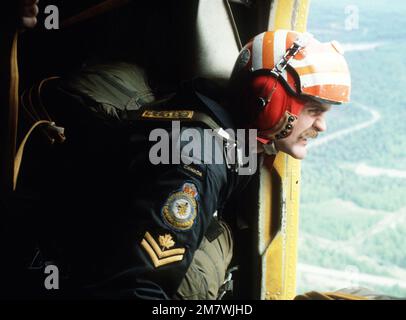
279 190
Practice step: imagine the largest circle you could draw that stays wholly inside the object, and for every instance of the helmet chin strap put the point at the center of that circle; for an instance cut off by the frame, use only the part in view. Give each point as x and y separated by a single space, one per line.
282 130
268 145
270 148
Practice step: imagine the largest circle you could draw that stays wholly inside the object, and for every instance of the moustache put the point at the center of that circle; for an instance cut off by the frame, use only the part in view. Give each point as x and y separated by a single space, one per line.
309 133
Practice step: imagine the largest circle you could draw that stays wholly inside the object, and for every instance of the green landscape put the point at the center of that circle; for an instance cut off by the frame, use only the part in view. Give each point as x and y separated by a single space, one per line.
353 195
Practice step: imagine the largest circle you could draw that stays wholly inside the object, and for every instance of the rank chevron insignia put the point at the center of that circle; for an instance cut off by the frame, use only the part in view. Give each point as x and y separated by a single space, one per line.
161 257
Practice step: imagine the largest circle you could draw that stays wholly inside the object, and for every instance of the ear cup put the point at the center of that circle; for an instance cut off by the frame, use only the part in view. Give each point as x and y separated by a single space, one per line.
274 98
266 101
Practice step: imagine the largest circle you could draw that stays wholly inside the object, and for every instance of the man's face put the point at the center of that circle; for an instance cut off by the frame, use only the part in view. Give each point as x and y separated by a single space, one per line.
310 122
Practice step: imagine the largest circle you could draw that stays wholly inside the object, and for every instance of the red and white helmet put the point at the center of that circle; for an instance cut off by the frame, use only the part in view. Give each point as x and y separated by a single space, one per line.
278 71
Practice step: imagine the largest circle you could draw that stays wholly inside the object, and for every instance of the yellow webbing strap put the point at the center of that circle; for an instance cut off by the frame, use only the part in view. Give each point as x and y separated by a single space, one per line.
40 118
16 157
13 115
20 152
11 159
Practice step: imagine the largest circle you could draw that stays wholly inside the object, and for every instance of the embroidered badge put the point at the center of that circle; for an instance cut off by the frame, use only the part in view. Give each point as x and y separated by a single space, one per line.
193 170
180 208
172 114
166 241
159 253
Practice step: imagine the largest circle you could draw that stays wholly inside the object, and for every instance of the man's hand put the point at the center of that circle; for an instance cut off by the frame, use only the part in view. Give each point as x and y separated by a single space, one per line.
28 13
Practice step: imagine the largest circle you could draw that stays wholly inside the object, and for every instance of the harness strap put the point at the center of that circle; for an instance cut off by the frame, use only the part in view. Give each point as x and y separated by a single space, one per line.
158 114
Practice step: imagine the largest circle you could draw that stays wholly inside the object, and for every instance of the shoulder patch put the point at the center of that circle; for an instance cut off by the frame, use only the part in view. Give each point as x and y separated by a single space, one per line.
180 209
162 252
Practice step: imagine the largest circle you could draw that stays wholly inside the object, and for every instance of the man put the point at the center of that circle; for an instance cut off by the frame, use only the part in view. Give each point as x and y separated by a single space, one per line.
118 225
273 81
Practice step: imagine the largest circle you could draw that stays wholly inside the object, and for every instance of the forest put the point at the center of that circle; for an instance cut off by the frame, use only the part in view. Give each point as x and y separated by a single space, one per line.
353 191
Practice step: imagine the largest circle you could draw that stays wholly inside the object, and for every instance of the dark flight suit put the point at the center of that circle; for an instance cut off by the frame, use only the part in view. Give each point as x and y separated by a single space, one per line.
120 226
